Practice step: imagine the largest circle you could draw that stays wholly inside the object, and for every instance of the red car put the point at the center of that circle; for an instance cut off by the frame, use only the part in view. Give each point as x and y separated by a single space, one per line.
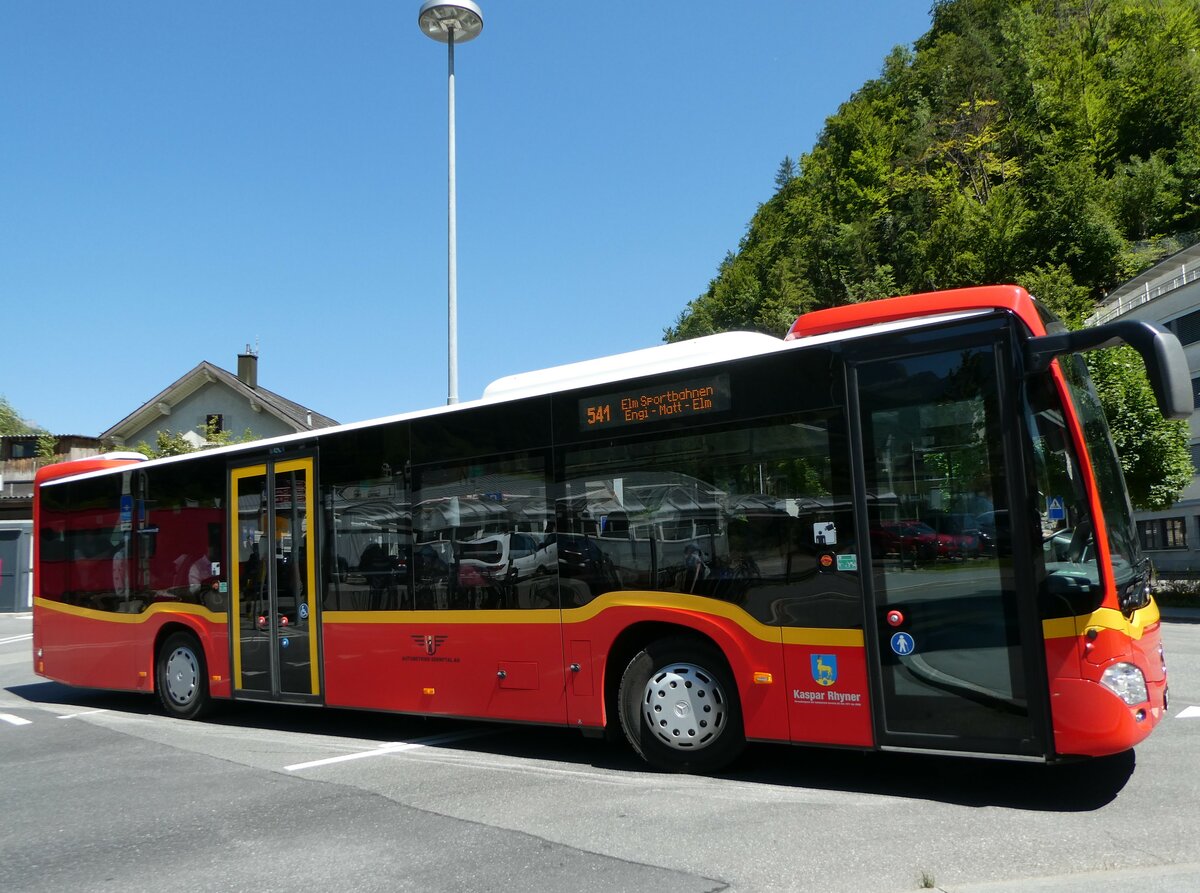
962 532
909 540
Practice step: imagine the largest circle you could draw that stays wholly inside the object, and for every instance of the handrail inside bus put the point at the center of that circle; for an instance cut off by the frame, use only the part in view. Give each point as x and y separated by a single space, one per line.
1161 351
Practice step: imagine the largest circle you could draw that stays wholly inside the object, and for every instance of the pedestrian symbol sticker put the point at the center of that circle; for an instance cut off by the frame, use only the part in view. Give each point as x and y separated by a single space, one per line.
902 644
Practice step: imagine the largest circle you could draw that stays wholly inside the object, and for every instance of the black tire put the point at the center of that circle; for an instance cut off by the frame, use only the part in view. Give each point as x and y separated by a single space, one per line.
181 677
679 706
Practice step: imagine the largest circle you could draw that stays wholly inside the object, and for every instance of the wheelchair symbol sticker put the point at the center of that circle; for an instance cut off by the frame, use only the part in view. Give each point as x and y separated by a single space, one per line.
304 612
902 643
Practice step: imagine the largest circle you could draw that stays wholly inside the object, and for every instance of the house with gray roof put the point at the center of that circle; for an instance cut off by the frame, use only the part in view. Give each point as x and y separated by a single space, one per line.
211 398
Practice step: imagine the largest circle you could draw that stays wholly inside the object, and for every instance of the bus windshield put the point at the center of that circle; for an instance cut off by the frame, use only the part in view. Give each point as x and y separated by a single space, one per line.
1074 573
1128 564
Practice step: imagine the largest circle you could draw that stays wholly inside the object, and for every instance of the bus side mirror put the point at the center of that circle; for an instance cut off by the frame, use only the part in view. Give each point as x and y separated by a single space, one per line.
1160 350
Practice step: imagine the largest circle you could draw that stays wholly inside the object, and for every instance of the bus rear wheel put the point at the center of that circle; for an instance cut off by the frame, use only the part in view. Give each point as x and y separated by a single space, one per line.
679 706
181 676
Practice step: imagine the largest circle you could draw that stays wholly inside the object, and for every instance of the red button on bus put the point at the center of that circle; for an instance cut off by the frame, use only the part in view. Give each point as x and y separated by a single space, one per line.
895 618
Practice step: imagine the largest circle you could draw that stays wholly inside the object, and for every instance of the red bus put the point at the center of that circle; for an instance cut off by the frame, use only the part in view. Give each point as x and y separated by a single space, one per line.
738 538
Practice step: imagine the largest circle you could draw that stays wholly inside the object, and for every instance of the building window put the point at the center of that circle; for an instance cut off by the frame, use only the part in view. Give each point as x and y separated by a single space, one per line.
1187 328
1163 533
1195 458
1150 531
214 423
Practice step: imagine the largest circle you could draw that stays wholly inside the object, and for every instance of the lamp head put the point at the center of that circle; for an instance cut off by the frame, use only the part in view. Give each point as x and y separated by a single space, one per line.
438 18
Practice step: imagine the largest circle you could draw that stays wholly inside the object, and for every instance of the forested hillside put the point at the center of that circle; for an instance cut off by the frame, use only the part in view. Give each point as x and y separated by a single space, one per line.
1051 144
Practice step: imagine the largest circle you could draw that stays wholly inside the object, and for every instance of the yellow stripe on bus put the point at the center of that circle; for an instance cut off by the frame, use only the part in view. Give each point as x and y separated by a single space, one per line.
850 638
140 617
1103 618
538 615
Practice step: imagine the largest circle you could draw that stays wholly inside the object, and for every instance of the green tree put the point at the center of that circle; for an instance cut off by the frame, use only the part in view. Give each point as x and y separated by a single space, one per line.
786 172
166 443
1145 196
11 422
1154 452
47 444
1054 145
169 443
217 437
1055 287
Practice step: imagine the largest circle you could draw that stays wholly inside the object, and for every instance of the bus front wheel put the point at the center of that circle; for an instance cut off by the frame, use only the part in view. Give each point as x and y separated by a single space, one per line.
182 677
679 706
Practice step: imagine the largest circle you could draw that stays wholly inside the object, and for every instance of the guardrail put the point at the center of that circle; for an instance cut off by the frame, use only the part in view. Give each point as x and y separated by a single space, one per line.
1125 304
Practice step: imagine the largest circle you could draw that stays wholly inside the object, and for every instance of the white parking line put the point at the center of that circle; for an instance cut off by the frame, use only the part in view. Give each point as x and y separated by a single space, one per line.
25 637
14 720
397 747
84 713
1188 713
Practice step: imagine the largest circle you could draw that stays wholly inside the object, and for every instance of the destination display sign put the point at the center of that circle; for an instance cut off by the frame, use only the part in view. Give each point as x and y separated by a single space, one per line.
658 404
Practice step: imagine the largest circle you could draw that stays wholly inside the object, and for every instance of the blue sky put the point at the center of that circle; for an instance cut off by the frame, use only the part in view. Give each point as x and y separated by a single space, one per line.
179 180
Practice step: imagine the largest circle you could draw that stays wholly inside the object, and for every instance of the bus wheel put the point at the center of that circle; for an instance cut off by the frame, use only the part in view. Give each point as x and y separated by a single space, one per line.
679 707
181 676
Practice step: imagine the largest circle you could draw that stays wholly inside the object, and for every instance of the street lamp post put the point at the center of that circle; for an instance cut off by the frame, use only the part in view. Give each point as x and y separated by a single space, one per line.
451 23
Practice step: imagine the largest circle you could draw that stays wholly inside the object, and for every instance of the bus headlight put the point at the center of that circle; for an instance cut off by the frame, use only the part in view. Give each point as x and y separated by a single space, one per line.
1127 683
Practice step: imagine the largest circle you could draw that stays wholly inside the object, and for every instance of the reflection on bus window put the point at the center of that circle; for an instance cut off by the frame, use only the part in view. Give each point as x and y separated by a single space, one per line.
126 545
484 536
1071 584
759 517
371 561
941 542
1129 567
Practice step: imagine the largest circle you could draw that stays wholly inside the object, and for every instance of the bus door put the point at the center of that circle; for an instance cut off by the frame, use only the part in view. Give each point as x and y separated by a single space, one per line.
953 645
273 593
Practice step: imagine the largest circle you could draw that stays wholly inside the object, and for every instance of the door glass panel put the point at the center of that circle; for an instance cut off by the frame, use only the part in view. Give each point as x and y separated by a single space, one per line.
275 647
253 584
946 606
292 611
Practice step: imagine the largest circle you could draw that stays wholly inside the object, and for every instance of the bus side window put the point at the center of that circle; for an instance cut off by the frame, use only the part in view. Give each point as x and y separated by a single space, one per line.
482 533
743 515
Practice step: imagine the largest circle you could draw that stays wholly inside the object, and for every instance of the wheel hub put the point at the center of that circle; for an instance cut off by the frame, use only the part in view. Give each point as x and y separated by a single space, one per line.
183 674
684 706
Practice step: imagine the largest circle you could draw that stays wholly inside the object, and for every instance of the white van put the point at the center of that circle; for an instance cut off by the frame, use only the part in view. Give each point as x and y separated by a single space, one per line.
505 557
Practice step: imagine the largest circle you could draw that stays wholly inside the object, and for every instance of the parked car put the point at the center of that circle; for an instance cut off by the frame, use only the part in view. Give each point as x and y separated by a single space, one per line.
959 533
504 557
910 540
994 533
